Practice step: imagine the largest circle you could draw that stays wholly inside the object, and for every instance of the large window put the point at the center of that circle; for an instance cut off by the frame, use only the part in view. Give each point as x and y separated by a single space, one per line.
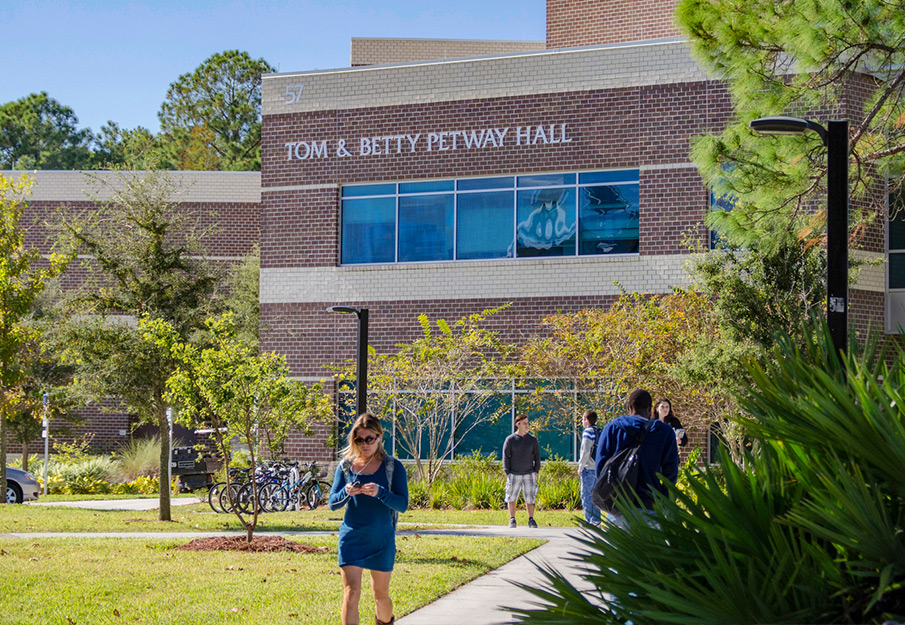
489 218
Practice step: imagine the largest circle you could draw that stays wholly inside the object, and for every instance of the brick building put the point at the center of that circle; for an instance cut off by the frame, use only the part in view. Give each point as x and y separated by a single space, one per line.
227 203
446 177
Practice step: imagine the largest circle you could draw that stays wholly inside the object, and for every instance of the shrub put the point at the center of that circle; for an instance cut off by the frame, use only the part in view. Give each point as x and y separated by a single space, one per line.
142 485
140 457
86 470
558 485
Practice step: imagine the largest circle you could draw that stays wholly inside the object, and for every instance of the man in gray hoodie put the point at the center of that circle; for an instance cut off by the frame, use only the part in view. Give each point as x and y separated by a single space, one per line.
521 464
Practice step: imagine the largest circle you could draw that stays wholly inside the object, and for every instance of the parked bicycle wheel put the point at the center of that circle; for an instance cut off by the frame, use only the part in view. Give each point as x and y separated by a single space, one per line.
213 497
224 497
245 501
273 497
316 493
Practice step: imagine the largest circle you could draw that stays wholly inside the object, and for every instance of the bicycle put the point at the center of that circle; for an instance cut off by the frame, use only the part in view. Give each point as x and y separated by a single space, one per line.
307 489
239 476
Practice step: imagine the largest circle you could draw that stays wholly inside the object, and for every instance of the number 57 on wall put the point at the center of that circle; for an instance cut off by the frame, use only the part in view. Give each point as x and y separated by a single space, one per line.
293 93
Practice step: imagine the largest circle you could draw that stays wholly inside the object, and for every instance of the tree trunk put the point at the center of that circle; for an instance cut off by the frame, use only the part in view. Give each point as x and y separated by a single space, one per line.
164 463
25 455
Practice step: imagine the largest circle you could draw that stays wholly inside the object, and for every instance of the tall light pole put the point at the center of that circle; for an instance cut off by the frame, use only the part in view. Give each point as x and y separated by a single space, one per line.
361 404
835 138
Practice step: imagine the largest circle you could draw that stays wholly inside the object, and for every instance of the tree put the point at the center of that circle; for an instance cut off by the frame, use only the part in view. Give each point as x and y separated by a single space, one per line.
43 375
595 357
143 255
211 118
228 386
434 389
808 59
809 532
243 300
22 278
116 147
37 132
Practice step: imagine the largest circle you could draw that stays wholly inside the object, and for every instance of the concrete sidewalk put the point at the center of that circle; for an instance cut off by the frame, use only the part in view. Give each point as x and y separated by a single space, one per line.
150 503
485 600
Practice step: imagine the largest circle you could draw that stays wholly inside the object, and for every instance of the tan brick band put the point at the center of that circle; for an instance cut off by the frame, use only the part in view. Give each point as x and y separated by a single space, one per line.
561 277
616 66
194 186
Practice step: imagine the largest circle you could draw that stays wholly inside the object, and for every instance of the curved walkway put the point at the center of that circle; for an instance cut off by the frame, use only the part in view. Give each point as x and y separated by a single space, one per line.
484 601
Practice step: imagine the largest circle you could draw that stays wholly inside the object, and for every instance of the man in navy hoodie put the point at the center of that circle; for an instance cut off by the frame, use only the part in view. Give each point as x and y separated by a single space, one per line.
658 454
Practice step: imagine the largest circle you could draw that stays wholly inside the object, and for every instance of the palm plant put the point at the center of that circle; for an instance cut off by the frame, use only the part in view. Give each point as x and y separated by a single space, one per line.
810 530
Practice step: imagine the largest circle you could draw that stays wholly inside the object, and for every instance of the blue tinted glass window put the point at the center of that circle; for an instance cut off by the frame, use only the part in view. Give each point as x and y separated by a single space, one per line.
897 271
484 227
369 230
546 222
546 180
425 228
608 219
369 189
597 177
719 203
426 187
480 184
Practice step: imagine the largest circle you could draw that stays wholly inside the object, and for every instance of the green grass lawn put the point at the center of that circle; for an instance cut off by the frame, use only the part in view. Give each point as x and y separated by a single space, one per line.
199 517
112 580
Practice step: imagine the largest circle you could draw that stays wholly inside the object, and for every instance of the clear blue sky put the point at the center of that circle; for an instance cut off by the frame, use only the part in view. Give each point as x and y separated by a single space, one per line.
115 59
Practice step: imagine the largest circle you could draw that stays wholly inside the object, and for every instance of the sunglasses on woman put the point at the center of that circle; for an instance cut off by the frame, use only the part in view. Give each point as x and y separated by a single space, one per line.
365 441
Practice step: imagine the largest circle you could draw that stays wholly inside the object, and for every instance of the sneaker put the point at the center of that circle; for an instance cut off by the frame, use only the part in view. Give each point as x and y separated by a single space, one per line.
532 522
512 522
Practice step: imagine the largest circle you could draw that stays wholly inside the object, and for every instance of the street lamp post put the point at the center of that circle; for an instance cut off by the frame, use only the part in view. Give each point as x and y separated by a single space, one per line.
835 138
361 404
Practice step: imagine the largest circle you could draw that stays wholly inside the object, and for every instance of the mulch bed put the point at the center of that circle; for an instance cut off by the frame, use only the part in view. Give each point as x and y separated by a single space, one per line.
260 544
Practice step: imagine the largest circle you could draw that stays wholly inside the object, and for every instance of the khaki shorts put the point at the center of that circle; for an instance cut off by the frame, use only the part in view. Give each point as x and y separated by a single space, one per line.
526 484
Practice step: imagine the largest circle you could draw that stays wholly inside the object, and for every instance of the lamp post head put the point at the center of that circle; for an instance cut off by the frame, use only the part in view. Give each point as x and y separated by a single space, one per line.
786 126
344 310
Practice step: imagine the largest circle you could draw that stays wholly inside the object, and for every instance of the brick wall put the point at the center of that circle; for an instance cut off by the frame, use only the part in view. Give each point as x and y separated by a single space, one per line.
609 128
573 23
313 339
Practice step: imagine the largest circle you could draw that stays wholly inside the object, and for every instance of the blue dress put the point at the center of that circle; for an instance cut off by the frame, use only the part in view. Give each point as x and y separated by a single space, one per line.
367 537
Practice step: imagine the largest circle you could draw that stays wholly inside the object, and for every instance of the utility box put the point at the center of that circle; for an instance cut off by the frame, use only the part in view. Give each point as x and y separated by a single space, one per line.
192 469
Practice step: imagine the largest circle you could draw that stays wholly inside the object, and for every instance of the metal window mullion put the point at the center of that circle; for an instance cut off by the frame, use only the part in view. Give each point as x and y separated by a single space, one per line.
396 255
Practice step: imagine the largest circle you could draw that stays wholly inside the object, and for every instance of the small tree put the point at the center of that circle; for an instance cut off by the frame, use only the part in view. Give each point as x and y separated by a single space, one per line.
641 341
144 255
435 390
228 386
20 283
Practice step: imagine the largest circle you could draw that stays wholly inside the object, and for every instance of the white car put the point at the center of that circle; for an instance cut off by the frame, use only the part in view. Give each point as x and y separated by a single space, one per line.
20 486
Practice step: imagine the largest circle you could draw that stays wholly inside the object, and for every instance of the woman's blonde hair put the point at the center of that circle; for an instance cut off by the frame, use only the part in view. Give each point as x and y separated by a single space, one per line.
365 421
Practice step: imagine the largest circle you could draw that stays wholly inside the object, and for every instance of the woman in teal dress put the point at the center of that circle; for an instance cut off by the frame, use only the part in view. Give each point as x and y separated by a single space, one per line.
367 536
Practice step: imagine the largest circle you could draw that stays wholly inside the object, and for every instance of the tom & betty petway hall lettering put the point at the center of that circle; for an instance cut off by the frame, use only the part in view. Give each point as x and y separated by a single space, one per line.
477 139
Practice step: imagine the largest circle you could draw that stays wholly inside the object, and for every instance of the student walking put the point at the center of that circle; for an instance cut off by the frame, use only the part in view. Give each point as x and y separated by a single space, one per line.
587 465
659 453
374 488
521 464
